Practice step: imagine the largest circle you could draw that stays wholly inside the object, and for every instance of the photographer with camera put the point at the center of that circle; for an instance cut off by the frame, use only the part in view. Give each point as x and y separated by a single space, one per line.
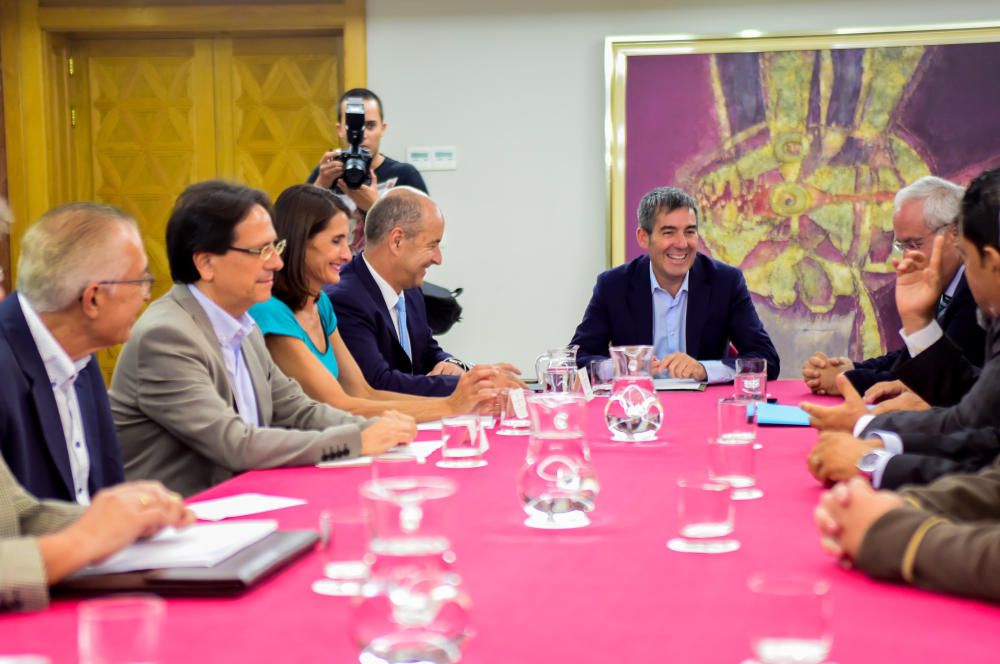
360 128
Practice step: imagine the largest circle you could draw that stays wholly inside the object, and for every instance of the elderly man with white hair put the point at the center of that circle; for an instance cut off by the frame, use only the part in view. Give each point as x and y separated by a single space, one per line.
82 280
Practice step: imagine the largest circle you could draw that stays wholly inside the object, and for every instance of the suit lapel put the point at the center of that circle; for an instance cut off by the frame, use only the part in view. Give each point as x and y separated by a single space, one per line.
44 401
698 299
640 303
368 281
88 412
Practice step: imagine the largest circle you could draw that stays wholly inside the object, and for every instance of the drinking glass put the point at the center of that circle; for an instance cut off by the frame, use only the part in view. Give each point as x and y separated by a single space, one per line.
560 379
790 618
750 381
737 420
464 442
704 517
601 373
732 461
514 419
121 630
343 548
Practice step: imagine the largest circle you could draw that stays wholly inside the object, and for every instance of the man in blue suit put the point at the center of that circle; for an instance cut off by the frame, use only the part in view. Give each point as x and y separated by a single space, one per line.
82 280
379 306
692 309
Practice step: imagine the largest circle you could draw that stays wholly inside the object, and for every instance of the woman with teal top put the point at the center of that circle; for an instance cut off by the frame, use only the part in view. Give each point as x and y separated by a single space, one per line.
300 325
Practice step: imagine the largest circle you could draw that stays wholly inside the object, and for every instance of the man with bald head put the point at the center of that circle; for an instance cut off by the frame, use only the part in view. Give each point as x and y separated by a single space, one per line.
379 306
82 280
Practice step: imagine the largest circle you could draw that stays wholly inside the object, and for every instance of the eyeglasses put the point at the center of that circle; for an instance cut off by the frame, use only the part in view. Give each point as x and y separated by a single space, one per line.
265 253
145 282
915 244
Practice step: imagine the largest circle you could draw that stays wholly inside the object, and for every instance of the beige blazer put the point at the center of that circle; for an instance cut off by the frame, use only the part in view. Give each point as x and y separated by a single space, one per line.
176 417
23 584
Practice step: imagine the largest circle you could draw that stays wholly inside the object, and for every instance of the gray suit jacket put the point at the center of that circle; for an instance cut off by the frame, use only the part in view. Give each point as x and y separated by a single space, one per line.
23 584
177 422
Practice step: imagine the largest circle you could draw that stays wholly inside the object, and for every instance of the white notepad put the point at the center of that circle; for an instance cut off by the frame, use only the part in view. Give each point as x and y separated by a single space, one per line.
200 545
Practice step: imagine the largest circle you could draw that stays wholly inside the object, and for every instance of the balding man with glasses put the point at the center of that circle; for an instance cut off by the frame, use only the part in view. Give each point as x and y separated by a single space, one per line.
82 280
195 395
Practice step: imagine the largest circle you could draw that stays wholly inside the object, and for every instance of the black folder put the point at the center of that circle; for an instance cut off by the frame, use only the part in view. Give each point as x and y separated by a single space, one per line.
231 577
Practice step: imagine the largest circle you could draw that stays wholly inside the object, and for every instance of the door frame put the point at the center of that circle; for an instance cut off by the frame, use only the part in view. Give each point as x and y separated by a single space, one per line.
35 76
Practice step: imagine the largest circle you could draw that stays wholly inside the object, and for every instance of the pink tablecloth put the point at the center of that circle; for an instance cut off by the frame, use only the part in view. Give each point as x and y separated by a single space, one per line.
609 593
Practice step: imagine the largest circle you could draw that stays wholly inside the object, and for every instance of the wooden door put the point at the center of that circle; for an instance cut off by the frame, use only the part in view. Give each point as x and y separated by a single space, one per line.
155 115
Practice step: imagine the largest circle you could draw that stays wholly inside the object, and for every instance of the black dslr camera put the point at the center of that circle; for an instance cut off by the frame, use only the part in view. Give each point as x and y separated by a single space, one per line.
357 160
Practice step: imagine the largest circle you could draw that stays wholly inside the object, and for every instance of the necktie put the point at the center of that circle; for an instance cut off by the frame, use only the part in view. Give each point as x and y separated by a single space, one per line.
404 334
942 305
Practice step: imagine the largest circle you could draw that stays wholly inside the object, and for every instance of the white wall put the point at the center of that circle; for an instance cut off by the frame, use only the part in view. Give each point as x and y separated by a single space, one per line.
518 87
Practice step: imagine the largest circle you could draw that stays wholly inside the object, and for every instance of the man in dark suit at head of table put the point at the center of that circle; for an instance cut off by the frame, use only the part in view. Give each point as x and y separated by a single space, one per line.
692 309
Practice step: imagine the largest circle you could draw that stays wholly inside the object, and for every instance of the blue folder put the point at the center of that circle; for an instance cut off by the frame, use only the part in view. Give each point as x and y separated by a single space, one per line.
772 414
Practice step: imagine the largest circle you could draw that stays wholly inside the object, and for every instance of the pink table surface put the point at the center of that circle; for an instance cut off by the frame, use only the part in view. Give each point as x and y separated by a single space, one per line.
612 592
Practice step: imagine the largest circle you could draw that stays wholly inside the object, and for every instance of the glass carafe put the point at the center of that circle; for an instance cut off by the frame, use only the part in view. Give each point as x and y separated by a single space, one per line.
556 360
413 608
633 412
557 485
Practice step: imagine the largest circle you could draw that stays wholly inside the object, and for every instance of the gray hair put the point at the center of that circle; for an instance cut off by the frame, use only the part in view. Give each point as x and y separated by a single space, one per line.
400 206
67 249
663 199
5 218
941 200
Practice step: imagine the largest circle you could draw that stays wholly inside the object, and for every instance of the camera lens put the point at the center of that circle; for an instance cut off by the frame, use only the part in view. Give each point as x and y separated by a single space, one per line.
355 172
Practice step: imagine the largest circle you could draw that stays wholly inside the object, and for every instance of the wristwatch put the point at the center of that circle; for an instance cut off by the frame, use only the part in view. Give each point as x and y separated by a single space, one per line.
458 363
869 462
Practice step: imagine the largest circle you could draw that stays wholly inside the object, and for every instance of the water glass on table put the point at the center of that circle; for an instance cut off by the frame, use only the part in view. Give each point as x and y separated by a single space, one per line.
732 461
464 442
561 378
704 517
750 381
343 550
601 374
789 618
514 420
737 420
121 630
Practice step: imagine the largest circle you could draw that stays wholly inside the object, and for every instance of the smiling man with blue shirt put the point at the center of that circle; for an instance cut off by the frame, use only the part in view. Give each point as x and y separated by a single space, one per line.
691 308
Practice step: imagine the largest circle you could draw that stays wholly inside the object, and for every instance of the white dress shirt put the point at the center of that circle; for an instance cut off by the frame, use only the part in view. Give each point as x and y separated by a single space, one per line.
62 372
231 332
389 294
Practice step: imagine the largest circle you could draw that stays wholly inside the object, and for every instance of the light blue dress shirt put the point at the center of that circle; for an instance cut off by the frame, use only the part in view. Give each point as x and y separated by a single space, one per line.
669 327
231 332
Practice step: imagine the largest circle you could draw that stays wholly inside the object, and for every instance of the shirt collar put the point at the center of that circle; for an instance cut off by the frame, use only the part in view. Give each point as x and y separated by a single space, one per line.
230 331
655 286
58 365
953 286
389 293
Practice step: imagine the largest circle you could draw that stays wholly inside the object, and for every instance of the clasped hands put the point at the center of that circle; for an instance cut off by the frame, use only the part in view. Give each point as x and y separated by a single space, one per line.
846 512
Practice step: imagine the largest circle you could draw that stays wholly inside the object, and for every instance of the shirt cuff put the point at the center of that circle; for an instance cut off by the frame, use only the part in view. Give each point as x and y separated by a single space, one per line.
892 445
860 425
716 372
922 339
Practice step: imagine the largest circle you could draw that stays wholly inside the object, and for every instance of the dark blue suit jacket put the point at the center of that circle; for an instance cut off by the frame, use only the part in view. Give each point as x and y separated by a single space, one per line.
719 312
31 435
958 321
367 329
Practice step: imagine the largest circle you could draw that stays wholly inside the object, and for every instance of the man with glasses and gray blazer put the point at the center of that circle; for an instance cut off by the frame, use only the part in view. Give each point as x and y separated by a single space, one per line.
195 395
